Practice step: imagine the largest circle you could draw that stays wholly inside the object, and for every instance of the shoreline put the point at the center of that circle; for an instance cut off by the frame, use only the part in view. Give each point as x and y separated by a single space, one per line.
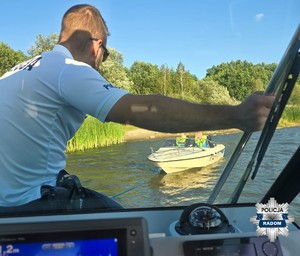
143 134
136 133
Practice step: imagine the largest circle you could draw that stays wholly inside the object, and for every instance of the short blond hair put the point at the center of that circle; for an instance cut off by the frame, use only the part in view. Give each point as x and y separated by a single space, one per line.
84 20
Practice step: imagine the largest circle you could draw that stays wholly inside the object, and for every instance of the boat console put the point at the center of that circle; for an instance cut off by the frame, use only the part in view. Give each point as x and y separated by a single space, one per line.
121 236
156 232
204 229
233 246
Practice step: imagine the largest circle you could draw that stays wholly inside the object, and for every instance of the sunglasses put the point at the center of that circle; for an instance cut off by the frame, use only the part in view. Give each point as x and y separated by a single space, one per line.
106 52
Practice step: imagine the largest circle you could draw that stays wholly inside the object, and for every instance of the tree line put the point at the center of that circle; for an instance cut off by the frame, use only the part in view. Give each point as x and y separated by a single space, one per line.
227 83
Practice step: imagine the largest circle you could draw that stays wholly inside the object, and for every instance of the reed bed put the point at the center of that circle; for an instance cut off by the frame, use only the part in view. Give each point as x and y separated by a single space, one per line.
291 113
94 134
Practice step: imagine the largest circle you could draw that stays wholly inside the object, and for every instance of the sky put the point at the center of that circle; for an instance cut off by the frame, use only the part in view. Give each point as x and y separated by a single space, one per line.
197 33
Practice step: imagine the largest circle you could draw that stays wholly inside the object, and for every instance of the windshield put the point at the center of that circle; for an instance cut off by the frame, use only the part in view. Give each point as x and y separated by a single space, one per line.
208 52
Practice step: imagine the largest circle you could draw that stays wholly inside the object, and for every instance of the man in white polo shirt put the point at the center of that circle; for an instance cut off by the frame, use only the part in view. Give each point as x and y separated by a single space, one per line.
44 101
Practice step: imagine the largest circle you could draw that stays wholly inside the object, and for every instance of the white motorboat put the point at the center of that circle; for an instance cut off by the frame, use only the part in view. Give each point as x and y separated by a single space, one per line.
174 157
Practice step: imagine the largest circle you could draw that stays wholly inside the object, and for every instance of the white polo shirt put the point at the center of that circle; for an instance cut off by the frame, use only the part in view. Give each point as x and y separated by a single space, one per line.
42 105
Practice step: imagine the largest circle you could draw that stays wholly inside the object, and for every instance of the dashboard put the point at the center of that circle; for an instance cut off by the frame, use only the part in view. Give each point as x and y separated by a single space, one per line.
199 229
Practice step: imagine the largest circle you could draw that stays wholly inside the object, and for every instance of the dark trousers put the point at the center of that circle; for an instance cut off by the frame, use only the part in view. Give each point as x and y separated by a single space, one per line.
67 195
92 201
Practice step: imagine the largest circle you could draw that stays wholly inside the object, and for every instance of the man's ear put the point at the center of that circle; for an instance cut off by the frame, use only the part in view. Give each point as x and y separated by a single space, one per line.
94 47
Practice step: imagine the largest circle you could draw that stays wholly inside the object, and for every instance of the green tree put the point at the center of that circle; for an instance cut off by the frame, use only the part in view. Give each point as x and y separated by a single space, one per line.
42 44
182 83
145 77
114 71
211 92
181 78
9 58
164 80
241 77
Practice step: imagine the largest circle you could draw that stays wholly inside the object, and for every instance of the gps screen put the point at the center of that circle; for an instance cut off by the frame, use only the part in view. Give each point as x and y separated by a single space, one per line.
103 247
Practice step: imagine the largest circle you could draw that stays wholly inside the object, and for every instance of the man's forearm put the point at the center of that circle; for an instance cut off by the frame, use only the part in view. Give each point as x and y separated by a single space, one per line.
164 114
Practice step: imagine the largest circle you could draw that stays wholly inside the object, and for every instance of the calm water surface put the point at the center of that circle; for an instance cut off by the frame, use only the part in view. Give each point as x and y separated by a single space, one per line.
124 173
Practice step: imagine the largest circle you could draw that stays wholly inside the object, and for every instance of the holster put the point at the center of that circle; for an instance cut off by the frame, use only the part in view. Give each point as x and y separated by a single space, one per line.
68 194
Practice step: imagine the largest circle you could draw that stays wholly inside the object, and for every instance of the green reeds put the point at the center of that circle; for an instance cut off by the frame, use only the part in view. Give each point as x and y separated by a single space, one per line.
291 113
93 134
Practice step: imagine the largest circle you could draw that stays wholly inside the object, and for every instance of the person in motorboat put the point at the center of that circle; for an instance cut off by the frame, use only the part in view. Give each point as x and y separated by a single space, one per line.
180 141
44 101
200 139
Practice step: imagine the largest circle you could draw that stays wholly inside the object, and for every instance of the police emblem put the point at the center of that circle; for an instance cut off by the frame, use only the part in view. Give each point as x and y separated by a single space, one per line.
272 219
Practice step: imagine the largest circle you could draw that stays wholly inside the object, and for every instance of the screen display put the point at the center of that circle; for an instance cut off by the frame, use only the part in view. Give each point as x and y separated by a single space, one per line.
103 247
77 243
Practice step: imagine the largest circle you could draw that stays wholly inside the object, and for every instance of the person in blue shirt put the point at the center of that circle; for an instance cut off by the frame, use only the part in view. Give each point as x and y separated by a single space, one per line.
44 101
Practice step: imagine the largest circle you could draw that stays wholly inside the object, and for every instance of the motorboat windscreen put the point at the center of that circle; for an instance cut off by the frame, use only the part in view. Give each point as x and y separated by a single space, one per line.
281 84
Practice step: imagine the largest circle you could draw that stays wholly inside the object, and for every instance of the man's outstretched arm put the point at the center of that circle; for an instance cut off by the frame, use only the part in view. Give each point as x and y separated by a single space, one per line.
165 114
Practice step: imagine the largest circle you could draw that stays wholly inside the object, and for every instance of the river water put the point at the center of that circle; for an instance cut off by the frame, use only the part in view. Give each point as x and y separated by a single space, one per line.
124 173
